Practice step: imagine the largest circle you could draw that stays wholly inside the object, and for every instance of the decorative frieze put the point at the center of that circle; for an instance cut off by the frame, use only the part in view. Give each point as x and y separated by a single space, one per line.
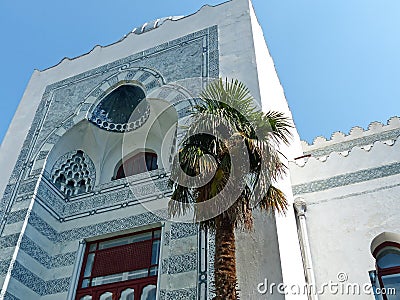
358 137
347 179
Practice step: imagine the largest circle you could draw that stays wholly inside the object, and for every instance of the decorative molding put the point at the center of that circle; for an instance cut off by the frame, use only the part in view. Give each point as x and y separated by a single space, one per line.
166 238
101 200
75 88
42 155
152 25
174 264
347 179
340 142
96 229
351 152
309 203
41 256
203 265
145 78
27 187
4 266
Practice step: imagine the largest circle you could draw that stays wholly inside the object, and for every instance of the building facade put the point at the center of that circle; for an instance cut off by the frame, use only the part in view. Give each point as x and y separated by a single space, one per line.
85 176
347 191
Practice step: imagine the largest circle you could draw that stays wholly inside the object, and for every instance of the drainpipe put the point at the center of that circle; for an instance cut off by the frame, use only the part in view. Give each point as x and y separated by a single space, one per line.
76 271
301 208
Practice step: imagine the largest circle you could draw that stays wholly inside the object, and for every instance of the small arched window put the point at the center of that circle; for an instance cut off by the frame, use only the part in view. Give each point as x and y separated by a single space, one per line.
141 162
386 278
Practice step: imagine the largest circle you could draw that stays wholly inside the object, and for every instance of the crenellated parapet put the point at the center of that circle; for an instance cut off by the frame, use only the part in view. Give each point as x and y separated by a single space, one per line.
342 144
380 155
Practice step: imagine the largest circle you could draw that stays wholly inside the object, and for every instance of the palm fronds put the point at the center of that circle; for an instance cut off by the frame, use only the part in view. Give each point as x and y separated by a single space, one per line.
226 124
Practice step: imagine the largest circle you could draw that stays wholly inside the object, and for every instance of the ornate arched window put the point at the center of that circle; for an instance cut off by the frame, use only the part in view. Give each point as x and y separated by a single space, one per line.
123 109
141 162
386 278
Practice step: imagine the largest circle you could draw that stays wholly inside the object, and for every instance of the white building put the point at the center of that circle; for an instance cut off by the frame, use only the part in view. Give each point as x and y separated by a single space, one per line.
76 225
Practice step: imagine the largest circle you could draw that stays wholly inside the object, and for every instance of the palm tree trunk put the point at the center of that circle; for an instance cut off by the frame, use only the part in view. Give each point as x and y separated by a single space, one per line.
225 260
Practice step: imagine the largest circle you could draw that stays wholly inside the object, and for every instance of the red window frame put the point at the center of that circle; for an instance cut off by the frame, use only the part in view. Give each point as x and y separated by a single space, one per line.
118 287
385 271
139 163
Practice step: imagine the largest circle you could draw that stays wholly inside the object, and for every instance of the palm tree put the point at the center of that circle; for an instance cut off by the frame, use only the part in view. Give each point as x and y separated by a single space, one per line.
225 167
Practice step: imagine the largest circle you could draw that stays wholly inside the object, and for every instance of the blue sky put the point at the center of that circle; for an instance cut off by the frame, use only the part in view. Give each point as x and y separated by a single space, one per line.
338 61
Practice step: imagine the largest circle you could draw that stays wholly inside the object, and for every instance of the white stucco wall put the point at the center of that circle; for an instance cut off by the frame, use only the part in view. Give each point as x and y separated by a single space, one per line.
243 54
351 198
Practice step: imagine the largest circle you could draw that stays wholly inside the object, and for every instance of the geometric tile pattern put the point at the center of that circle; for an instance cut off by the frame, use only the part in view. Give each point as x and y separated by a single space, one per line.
4 266
173 265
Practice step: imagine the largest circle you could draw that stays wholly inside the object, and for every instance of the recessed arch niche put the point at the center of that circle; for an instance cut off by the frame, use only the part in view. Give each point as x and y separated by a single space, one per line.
107 149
